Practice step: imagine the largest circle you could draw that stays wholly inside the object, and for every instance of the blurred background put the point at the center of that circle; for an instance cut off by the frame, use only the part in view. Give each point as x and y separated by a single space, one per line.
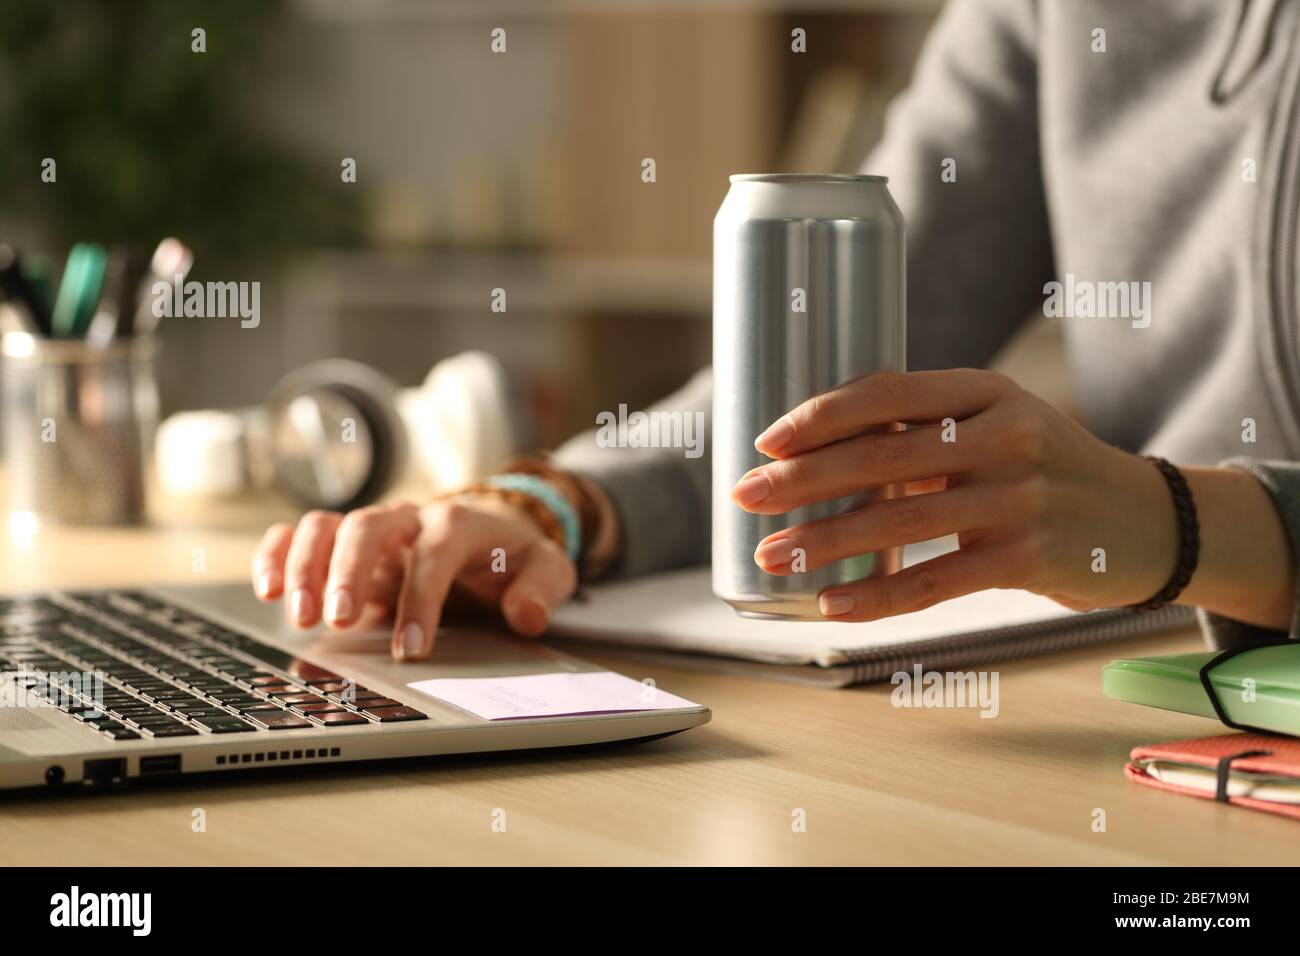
475 170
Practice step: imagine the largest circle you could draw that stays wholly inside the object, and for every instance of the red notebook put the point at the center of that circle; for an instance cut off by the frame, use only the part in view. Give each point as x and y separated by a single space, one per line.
1250 770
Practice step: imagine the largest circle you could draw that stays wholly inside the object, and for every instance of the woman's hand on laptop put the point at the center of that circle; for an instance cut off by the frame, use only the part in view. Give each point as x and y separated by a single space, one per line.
402 560
1037 502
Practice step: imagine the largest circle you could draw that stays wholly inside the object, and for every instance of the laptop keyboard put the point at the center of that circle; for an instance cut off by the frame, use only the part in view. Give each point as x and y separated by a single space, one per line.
168 672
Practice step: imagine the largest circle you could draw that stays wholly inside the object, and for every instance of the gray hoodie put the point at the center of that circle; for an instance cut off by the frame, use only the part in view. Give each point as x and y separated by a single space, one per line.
1095 141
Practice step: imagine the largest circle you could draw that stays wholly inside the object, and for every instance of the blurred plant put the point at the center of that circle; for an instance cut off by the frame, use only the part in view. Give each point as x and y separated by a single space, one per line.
151 138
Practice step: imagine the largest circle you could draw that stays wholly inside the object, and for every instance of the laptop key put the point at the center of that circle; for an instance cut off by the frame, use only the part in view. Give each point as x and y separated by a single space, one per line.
121 733
155 722
280 720
388 715
268 680
234 700
340 718
184 706
311 674
226 723
211 683
319 708
176 730
377 703
133 715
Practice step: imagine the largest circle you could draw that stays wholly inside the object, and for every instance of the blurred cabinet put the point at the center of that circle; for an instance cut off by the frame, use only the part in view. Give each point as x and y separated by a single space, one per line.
523 171
694 92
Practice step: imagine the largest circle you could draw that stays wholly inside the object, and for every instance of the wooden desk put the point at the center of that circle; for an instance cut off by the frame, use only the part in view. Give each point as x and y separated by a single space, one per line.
878 785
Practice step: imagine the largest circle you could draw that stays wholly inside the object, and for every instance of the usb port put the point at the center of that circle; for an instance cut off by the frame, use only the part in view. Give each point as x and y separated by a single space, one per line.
168 763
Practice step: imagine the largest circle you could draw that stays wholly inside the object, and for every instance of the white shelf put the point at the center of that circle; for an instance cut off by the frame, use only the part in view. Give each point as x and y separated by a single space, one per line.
388 11
452 282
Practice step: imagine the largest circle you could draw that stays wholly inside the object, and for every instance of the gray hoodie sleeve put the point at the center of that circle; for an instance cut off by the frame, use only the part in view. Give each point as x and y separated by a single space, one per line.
1281 479
661 494
979 248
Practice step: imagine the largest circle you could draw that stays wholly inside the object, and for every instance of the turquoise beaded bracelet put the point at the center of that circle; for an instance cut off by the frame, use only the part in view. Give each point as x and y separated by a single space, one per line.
555 503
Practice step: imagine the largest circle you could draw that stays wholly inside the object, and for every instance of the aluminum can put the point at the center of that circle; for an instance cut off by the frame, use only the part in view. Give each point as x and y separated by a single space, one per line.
808 294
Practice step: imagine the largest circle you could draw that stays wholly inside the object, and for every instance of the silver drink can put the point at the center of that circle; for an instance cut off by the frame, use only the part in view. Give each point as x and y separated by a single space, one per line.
808 293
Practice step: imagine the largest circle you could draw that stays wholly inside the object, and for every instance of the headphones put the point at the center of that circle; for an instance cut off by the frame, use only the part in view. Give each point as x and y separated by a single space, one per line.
338 434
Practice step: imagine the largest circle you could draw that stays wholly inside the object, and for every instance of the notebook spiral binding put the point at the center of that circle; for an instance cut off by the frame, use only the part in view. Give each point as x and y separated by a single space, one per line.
1002 644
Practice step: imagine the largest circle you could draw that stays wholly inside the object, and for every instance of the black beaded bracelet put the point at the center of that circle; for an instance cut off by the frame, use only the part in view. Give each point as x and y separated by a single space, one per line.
1189 537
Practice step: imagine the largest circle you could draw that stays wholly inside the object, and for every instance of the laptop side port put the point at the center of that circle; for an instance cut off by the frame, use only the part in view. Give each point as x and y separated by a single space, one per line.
101 773
153 766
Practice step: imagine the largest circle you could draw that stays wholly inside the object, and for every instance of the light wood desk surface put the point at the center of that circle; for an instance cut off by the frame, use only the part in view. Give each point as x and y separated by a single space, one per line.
878 785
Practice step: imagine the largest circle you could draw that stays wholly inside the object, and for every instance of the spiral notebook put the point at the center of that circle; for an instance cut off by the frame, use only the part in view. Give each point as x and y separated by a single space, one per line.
674 618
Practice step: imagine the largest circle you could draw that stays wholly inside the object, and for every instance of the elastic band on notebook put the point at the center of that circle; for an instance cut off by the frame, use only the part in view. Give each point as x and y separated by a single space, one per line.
1224 767
1204 675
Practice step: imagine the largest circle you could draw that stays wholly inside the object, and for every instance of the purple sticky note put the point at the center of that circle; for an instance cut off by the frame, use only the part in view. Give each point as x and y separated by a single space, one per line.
549 695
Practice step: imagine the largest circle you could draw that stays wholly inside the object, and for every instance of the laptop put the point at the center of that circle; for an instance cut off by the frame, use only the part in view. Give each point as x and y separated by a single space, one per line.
108 686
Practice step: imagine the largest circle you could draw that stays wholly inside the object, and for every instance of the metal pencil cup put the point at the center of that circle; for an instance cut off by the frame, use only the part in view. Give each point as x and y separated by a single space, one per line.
78 427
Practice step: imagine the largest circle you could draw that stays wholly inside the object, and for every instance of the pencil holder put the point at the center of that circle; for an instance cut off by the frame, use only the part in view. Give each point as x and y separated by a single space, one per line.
78 425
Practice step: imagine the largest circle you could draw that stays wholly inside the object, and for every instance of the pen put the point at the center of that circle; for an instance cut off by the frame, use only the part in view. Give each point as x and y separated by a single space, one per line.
132 289
103 325
170 264
83 276
37 274
23 305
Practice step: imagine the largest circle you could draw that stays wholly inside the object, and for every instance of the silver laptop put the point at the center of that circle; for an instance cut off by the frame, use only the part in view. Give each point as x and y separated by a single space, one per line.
106 686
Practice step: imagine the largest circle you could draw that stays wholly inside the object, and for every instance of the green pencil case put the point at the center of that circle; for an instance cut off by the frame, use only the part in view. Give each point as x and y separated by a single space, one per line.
1252 689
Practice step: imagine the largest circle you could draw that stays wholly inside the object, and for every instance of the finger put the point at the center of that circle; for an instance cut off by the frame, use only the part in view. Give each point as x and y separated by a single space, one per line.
857 464
386 582
973 568
546 580
434 561
879 525
882 399
926 486
306 565
362 539
268 561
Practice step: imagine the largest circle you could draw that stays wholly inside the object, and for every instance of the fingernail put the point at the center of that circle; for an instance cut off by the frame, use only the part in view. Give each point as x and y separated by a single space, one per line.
301 607
835 605
752 490
338 606
778 435
412 640
775 553
268 581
